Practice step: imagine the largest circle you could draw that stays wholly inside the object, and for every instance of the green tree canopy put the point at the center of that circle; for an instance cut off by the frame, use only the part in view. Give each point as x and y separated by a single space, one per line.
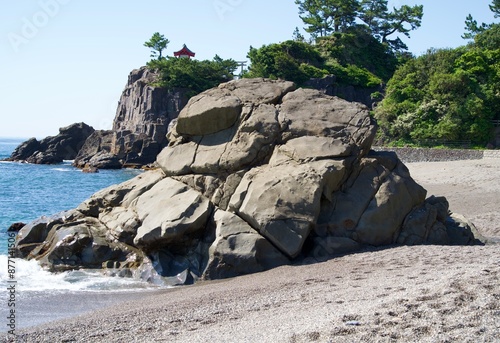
402 20
473 28
354 58
324 17
495 8
291 60
157 43
451 94
357 47
191 74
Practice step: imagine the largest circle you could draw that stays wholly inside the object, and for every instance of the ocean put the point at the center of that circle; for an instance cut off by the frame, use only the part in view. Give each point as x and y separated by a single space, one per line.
30 191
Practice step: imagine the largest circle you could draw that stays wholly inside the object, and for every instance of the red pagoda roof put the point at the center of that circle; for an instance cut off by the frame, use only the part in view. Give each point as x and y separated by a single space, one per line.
184 52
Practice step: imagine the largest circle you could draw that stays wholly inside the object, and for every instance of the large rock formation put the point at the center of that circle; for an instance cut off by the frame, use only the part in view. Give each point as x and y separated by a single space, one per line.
256 174
140 125
64 146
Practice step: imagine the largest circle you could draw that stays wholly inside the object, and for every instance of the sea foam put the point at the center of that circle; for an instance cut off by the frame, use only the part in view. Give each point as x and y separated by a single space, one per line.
30 276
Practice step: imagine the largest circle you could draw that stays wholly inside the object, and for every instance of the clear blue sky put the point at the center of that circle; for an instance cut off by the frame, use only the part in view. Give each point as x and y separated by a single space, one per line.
66 61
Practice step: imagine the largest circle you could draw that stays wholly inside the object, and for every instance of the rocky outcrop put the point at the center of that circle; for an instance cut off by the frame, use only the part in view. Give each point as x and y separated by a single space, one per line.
16 227
257 174
140 126
51 150
96 152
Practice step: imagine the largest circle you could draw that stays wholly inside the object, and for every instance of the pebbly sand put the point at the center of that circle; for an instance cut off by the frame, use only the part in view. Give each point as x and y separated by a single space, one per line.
396 294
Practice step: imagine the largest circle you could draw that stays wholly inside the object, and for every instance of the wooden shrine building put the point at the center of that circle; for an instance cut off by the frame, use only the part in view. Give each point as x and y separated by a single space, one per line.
184 52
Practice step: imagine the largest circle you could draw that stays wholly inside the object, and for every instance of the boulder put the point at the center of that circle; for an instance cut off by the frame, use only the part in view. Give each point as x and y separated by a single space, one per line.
209 112
170 211
426 224
239 249
256 174
77 243
25 150
281 202
247 143
307 112
461 231
35 233
120 195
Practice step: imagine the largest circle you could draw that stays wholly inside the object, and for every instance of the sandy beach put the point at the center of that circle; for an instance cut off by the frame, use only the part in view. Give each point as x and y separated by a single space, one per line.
395 294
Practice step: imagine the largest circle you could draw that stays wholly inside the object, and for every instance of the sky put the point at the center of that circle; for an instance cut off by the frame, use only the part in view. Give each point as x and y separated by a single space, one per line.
67 61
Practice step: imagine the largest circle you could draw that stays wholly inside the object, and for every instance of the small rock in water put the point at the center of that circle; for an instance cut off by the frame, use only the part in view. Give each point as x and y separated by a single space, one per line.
90 169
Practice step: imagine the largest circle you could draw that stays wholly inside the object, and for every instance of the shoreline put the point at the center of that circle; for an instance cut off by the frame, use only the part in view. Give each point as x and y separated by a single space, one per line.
32 308
418 293
400 293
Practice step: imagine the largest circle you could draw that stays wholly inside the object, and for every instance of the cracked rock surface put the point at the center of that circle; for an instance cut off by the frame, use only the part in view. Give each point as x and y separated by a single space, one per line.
257 174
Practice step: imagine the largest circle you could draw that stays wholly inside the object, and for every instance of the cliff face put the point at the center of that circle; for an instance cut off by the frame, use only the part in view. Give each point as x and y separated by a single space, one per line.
140 125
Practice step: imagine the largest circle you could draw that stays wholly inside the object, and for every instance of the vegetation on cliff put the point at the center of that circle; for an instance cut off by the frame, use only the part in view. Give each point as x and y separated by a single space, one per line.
175 73
349 39
354 57
185 73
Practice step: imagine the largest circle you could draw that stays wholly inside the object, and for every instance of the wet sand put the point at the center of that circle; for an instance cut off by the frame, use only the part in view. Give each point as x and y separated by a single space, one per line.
396 294
36 308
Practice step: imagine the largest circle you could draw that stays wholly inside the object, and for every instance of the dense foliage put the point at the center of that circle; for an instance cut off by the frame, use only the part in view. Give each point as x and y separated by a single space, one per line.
451 94
191 74
290 60
354 57
357 48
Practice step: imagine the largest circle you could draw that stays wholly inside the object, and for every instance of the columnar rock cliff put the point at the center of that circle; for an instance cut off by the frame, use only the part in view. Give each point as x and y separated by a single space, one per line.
140 126
257 174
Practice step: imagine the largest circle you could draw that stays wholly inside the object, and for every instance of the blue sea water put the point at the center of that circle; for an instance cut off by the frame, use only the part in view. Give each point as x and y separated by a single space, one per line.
30 191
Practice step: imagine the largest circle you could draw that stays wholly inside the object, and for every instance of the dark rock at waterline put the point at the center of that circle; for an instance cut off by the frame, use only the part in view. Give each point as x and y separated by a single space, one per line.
16 227
97 152
54 149
90 170
284 175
